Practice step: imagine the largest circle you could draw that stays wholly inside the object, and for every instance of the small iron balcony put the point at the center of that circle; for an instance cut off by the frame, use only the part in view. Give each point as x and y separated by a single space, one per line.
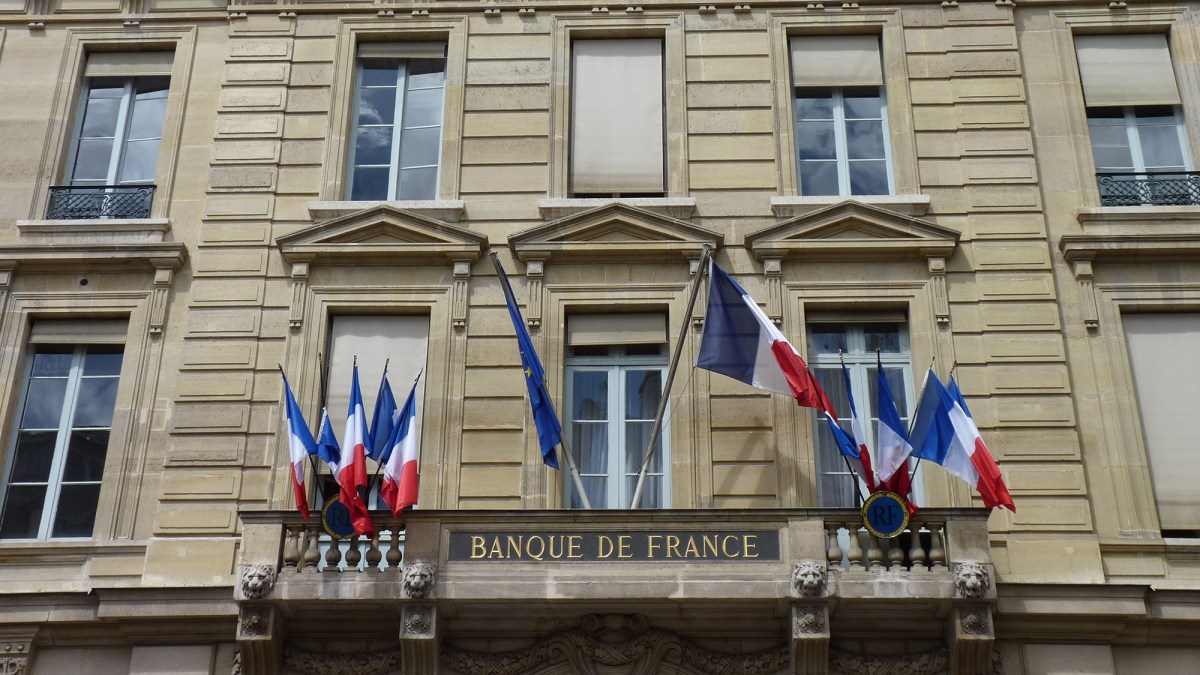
73 202
1150 188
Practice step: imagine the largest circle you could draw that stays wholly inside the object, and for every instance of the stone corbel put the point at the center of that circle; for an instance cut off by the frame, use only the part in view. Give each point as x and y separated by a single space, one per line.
941 302
773 271
299 295
419 638
159 297
972 639
260 637
535 271
1091 310
7 269
16 649
810 639
701 296
462 278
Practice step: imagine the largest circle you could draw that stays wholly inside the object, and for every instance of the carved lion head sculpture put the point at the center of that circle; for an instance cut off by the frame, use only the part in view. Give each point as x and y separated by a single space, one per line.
808 578
257 581
419 579
971 579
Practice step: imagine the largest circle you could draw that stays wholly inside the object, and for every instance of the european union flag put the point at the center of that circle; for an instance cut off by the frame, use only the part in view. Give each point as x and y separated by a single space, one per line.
544 418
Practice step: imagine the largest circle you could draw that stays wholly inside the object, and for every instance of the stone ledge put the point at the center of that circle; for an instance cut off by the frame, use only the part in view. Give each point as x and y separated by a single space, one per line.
675 207
445 210
98 230
909 205
1132 216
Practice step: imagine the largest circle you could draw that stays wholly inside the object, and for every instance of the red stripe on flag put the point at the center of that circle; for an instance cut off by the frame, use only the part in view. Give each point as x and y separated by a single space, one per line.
991 484
301 496
804 387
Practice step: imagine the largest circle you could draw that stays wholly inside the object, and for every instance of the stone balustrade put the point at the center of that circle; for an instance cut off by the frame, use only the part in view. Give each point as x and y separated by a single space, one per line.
920 548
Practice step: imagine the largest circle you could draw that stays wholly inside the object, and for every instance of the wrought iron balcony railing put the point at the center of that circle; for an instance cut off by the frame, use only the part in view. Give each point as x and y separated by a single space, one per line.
72 202
1150 188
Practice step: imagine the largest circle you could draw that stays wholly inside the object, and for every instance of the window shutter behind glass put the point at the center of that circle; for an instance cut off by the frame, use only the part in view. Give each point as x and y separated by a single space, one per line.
1118 70
375 340
836 61
128 64
617 112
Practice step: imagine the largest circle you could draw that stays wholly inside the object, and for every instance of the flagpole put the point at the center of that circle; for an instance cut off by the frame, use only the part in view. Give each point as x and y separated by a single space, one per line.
322 376
858 495
665 399
565 453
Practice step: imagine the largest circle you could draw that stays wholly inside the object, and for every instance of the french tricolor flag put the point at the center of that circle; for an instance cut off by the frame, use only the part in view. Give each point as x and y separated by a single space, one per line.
860 436
352 466
741 342
400 480
892 445
300 445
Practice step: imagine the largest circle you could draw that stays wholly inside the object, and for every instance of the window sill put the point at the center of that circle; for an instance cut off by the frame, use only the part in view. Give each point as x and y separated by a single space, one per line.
909 205
1134 233
680 208
445 210
1139 216
99 230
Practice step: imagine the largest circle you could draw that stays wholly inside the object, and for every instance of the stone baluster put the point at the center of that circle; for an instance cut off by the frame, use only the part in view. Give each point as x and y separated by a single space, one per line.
895 555
834 551
291 546
394 556
937 547
874 553
916 550
374 555
353 554
312 554
333 556
856 553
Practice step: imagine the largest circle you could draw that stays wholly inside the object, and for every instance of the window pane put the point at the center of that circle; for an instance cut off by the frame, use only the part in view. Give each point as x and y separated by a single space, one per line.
597 491
590 440
420 147
642 393
34 455
1110 143
814 104
868 178
1160 147
424 73
370 183
860 104
895 380
885 336
103 360
818 178
92 160
379 72
377 106
52 361
76 512
590 395
141 158
100 117
815 140
827 338
147 117
423 107
94 407
418 183
44 404
373 145
864 140
85 457
22 514
652 492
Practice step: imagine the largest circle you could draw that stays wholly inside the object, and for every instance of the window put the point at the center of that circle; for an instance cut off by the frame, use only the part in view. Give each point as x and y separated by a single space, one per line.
616 367
617 103
836 485
58 448
840 116
397 129
1133 108
1162 347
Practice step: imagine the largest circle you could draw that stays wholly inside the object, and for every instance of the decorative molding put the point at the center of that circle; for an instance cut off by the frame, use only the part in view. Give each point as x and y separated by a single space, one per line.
615 232
419 579
356 663
773 271
971 580
808 579
299 295
254 622
674 207
535 270
448 210
974 620
809 620
941 300
159 293
1087 289
909 205
14 656
922 663
256 581
614 641
418 622
58 257
383 235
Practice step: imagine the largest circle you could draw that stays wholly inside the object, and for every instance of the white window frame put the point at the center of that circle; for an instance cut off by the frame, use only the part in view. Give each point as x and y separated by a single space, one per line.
398 129
841 149
1135 141
54 481
616 364
124 120
860 361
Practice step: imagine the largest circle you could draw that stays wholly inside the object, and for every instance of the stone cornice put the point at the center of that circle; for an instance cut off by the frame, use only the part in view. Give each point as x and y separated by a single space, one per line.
56 256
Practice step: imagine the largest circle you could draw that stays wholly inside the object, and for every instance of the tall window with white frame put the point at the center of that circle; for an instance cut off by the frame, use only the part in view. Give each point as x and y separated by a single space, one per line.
118 131
830 340
59 444
616 367
840 116
617 107
1135 120
396 144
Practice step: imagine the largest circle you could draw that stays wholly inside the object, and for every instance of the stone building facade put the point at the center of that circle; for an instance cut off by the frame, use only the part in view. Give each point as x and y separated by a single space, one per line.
195 194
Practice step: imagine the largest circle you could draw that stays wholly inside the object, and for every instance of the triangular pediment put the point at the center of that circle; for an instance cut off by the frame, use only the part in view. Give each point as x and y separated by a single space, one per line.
382 234
852 230
614 232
